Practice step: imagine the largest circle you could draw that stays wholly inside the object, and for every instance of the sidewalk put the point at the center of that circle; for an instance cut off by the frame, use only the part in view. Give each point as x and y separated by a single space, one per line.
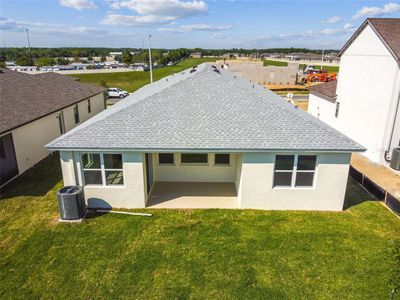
381 175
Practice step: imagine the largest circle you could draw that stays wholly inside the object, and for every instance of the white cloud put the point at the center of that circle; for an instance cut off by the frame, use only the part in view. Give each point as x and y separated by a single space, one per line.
78 4
136 20
332 20
196 27
348 26
374 11
218 36
154 12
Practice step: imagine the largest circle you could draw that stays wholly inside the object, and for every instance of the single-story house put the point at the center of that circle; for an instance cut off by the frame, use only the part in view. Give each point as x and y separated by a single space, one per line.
364 103
36 109
206 135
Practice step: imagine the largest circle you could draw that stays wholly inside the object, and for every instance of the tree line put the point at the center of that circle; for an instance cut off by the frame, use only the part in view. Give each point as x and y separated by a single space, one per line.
53 56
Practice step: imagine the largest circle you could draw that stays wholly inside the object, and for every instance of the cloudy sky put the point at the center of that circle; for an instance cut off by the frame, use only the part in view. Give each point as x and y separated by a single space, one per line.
186 23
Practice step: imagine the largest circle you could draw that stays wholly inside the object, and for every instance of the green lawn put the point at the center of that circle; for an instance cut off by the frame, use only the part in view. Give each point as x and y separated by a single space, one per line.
131 81
180 254
330 69
268 62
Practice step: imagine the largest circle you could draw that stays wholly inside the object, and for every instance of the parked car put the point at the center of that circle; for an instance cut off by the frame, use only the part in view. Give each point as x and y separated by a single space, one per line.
114 92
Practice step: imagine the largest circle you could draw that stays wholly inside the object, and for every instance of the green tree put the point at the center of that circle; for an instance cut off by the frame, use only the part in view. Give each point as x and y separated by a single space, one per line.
45 61
103 58
127 57
118 58
62 61
24 60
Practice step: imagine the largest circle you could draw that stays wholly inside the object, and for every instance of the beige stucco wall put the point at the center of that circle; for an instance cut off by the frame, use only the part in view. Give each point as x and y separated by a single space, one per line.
195 173
257 191
30 138
253 175
131 195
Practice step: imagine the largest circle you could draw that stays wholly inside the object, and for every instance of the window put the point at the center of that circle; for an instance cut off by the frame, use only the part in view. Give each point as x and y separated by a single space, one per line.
102 169
166 158
76 113
60 118
89 107
194 158
222 159
337 109
8 161
295 170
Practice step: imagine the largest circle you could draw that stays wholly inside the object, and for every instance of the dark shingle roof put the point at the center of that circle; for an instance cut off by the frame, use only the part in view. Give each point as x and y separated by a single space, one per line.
327 89
25 98
388 30
204 109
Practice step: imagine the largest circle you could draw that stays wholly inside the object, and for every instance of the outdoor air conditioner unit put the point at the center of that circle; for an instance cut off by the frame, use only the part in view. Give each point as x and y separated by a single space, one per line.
395 160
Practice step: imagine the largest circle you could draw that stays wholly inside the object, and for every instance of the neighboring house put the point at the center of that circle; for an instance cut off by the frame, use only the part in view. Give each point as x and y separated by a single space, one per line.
365 104
206 125
196 55
36 109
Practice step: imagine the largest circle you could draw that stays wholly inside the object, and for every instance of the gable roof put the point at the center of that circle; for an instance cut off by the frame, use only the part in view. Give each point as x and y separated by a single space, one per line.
25 98
327 89
202 109
387 29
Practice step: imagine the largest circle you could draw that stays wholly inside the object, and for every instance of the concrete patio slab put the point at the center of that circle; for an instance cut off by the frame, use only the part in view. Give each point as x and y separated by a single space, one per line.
193 195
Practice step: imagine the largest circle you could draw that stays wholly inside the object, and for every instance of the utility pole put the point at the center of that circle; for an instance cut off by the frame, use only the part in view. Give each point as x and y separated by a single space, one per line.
27 36
151 65
322 59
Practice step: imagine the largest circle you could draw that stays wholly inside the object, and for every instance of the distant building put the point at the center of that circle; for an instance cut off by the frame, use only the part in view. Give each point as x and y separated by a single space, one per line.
35 109
196 55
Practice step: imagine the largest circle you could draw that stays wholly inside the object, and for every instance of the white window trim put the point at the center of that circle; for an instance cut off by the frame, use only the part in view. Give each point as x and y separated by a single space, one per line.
294 174
102 170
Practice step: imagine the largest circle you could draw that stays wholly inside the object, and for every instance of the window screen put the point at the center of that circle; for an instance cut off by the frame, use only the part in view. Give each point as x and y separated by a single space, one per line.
294 170
166 158
222 159
194 158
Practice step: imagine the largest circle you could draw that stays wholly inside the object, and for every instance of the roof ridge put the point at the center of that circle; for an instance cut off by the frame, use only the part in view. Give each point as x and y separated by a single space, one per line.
126 102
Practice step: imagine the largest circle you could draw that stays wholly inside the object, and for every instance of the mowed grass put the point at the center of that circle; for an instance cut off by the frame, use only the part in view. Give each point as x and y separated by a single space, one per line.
181 254
329 69
276 63
131 81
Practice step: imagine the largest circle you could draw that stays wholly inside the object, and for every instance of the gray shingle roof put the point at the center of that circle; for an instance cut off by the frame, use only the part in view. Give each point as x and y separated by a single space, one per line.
204 110
25 98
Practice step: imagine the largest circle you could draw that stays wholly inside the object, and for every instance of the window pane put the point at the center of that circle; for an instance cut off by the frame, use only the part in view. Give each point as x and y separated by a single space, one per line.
93 177
222 159
112 161
114 178
284 162
8 161
166 158
306 162
190 158
91 161
304 178
283 179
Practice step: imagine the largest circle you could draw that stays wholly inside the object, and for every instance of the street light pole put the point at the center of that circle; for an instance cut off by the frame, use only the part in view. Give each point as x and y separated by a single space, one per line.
151 65
27 36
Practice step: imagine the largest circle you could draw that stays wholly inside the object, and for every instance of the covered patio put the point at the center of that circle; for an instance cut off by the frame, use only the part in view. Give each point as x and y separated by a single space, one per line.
193 195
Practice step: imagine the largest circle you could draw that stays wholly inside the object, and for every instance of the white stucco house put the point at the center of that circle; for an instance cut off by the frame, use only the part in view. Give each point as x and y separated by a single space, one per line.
36 109
364 103
207 136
